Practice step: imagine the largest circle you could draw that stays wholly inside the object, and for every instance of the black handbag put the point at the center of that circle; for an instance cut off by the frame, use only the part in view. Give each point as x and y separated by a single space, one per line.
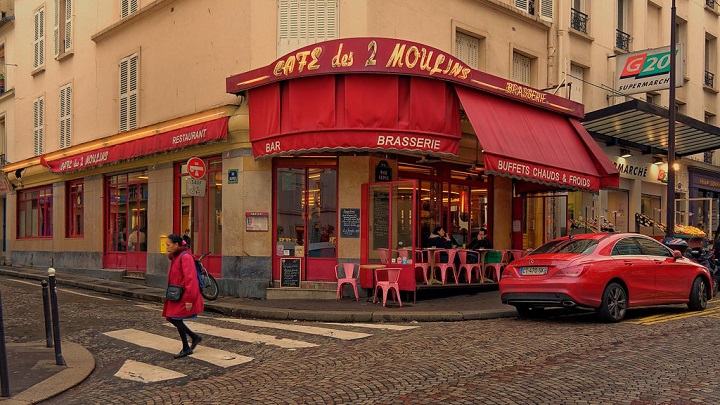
174 293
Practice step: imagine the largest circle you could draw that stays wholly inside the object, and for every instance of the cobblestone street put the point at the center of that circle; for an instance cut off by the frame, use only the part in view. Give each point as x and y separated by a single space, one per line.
661 355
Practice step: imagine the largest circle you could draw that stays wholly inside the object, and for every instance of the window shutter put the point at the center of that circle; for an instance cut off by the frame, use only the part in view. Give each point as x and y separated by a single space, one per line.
128 7
521 68
123 94
65 116
39 20
38 121
304 22
56 28
576 89
467 49
523 5
68 25
133 93
129 94
546 10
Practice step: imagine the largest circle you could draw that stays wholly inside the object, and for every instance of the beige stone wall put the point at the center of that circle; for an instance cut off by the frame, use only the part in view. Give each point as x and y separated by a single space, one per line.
353 171
502 213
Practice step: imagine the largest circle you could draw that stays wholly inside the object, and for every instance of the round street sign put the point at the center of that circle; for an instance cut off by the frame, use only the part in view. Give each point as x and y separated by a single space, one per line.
196 168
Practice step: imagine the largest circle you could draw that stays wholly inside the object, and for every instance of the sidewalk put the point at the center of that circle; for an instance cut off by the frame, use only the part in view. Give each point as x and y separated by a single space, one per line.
34 376
482 302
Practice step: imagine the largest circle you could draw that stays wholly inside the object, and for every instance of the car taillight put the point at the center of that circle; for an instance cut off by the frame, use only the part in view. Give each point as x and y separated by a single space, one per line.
509 272
574 271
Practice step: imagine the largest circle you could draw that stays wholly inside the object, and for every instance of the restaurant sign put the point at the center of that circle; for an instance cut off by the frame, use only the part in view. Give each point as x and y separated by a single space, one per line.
177 139
392 56
540 173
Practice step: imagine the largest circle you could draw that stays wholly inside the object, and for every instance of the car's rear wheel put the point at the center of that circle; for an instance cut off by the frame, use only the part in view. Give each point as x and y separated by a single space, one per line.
527 311
614 303
698 295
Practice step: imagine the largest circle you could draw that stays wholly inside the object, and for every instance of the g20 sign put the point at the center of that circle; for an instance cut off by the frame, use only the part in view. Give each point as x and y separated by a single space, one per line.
648 70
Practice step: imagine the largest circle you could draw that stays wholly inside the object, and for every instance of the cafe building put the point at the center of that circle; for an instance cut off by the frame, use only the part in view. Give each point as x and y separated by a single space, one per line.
373 142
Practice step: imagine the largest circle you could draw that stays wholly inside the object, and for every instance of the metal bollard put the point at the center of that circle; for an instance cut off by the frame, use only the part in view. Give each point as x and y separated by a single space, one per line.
4 383
46 310
55 317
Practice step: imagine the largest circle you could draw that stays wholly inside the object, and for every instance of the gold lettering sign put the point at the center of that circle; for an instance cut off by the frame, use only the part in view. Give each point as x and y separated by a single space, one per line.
710 183
525 92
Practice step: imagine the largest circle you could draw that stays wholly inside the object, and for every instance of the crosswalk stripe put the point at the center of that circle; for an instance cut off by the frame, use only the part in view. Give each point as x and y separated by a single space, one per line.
145 373
375 326
312 330
242 336
62 290
152 341
655 319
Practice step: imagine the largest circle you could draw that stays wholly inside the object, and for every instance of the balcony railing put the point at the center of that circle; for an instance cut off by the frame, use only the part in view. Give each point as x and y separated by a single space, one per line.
578 20
710 4
709 79
622 40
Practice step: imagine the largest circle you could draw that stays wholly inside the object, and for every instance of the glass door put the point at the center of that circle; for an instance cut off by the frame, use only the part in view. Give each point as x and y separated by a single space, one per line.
199 217
306 220
126 216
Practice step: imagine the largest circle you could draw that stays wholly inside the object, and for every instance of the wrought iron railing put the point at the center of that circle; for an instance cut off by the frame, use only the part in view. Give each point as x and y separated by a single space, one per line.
710 3
578 20
622 40
709 79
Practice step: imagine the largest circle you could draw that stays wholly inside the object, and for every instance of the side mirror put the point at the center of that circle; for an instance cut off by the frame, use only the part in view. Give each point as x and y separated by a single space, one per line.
677 254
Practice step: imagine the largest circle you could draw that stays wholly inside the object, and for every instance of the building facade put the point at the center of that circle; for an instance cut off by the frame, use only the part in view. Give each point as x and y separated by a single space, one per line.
101 115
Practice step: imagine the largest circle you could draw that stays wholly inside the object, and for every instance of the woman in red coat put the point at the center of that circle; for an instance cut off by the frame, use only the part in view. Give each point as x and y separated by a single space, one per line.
182 272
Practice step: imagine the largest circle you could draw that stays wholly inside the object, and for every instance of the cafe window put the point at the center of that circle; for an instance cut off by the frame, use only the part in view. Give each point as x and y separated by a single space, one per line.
34 213
75 226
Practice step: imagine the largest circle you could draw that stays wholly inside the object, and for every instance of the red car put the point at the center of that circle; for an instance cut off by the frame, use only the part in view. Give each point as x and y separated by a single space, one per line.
607 272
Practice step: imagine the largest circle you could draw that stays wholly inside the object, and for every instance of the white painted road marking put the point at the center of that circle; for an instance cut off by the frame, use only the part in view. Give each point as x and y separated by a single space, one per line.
311 330
375 326
213 356
62 290
145 373
249 337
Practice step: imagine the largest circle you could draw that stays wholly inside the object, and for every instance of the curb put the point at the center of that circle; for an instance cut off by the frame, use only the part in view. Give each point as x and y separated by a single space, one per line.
245 311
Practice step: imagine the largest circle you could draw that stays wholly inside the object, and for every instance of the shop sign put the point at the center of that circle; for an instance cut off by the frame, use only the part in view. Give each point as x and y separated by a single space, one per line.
647 70
209 131
541 173
383 172
391 56
233 176
196 168
195 187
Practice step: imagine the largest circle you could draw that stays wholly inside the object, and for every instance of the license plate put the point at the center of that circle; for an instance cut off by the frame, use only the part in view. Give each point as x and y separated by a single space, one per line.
533 271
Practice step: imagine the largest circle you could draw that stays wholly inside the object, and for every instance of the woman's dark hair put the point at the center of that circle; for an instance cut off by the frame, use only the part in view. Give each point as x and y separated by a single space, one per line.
437 229
175 238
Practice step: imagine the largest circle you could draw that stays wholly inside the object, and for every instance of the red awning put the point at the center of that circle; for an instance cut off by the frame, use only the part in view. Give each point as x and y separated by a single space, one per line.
336 113
197 134
534 144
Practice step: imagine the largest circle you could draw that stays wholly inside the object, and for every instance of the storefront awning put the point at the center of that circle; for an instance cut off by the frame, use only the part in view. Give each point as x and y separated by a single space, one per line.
533 144
644 126
197 134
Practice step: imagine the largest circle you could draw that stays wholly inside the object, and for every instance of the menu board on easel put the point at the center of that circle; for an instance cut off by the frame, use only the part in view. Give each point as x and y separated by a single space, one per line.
290 272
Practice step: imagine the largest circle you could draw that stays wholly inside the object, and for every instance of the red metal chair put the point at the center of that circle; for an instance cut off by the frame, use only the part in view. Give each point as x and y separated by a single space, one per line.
387 279
493 271
470 268
349 276
444 267
384 255
422 263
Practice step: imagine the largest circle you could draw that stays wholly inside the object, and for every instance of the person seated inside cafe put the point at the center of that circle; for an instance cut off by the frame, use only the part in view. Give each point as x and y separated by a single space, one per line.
479 241
441 240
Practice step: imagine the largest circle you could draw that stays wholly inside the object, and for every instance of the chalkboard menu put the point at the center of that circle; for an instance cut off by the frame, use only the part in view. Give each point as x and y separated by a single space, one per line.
380 220
350 222
290 272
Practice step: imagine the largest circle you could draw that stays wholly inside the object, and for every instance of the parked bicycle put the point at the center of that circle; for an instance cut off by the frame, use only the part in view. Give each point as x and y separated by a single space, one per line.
209 290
